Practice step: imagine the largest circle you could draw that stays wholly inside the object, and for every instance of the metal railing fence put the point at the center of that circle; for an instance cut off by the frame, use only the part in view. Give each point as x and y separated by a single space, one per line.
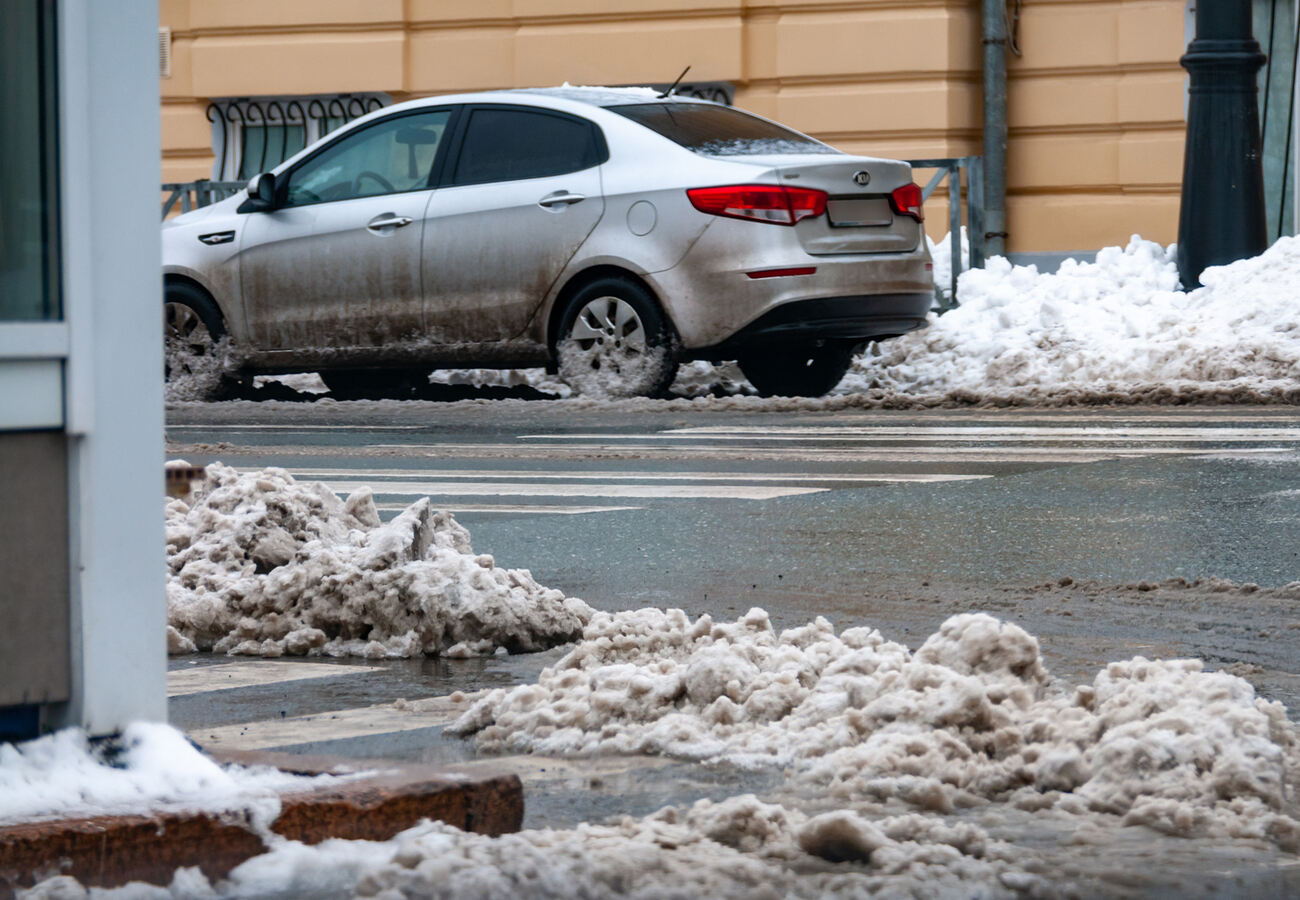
194 194
951 169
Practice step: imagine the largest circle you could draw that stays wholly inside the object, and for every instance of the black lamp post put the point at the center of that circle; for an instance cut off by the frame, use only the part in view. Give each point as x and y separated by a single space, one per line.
1222 216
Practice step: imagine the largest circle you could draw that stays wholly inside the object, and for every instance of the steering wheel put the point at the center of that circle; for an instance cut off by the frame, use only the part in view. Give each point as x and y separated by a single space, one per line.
383 182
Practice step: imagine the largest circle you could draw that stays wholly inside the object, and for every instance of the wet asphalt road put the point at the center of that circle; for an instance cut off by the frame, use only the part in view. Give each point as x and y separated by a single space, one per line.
1052 519
719 511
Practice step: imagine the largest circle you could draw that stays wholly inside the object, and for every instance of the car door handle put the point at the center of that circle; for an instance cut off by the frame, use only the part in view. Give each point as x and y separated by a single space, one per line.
560 199
388 220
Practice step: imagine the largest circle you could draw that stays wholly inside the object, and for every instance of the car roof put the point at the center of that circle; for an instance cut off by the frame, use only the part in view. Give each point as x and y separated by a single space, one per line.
609 96
565 98
565 94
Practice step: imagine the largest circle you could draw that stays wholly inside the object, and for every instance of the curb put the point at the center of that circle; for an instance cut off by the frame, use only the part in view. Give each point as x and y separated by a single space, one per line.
109 851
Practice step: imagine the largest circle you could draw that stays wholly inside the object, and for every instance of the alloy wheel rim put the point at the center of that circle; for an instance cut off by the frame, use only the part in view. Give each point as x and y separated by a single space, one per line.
607 329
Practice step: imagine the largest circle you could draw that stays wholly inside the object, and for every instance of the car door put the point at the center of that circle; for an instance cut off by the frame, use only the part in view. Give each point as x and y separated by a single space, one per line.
337 265
518 198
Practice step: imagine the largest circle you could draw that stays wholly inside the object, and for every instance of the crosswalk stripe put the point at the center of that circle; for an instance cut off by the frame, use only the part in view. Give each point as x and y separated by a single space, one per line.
229 676
486 474
540 509
911 453
336 725
494 489
297 429
1121 432
904 437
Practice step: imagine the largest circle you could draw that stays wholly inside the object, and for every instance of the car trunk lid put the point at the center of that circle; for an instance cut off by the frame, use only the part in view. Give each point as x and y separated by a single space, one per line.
860 217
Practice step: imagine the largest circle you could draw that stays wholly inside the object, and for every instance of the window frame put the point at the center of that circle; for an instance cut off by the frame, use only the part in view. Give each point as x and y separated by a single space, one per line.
462 126
282 179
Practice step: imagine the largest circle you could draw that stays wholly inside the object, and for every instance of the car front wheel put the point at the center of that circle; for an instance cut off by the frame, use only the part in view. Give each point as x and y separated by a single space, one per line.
802 370
194 344
614 342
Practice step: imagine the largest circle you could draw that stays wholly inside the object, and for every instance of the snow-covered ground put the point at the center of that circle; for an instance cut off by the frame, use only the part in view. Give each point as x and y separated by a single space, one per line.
957 770
151 767
738 848
971 718
260 564
1117 330
960 768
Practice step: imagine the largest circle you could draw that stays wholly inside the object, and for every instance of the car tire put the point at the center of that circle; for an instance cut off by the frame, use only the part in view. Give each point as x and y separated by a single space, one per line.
369 384
801 370
614 341
195 346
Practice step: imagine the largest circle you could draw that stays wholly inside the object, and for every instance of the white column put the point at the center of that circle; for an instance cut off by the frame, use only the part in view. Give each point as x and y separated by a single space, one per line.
110 166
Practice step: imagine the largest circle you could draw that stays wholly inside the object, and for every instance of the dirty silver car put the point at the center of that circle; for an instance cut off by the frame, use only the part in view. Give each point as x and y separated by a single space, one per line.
606 234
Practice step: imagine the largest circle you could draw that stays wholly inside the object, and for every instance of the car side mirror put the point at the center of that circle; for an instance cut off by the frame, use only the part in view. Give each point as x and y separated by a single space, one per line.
261 194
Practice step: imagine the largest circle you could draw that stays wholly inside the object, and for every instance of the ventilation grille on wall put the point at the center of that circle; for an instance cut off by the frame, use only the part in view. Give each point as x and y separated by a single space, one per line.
165 52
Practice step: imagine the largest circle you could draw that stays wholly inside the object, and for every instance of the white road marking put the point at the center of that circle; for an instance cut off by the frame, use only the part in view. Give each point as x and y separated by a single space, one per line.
1215 433
492 489
336 725
540 509
418 714
864 436
912 453
228 676
484 474
223 426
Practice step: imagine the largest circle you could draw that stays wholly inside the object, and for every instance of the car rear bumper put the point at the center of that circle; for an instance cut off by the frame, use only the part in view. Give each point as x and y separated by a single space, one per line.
744 282
856 319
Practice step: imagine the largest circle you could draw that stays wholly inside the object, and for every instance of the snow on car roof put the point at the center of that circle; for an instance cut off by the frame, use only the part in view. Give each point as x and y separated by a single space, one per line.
597 95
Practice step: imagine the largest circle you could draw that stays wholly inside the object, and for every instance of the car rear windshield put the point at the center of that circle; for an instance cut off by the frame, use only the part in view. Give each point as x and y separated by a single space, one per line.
719 130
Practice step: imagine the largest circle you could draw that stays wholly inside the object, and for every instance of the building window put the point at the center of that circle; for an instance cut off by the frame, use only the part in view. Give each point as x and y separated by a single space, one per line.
29 178
252 135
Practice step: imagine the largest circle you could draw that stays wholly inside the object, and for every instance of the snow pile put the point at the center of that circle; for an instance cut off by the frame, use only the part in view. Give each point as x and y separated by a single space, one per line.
611 367
302 382
196 367
261 564
941 255
740 848
152 767
538 379
967 719
694 379
1116 329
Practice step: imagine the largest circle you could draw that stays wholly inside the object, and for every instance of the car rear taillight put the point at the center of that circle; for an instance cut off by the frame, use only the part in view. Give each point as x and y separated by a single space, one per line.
906 201
772 203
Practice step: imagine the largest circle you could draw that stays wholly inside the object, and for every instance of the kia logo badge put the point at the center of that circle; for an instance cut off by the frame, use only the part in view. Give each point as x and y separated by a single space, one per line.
862 179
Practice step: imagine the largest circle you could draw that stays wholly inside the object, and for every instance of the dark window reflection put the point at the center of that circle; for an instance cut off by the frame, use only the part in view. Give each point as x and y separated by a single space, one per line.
29 207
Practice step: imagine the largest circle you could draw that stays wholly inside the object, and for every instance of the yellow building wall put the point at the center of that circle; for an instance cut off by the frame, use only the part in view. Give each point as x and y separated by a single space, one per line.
1096 100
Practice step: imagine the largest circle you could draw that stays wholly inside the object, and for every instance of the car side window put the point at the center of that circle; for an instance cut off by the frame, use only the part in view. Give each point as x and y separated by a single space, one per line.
513 144
389 157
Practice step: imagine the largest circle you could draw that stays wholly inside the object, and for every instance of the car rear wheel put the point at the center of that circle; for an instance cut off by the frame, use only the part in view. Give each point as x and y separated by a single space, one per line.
802 370
614 342
194 344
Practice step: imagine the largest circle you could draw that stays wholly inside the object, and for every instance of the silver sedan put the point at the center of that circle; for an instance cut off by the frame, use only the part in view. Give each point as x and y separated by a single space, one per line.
607 234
